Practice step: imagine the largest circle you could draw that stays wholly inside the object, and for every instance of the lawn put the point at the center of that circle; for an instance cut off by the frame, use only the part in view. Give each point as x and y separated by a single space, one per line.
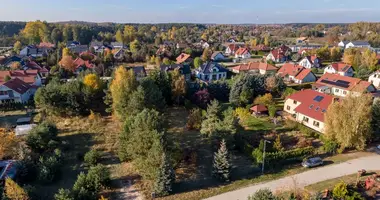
258 124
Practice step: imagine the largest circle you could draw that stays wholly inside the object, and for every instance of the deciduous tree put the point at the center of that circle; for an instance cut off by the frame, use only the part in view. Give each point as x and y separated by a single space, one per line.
197 62
13 191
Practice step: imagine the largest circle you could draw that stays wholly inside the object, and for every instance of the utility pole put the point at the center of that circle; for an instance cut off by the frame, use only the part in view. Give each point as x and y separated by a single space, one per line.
265 145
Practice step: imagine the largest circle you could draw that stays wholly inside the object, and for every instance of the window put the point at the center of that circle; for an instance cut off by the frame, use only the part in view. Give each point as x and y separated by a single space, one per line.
294 102
316 124
311 106
3 93
323 110
344 92
336 90
317 108
287 107
305 119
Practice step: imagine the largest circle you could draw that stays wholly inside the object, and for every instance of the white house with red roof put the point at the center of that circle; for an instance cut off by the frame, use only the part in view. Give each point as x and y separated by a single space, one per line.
296 73
374 78
308 108
232 48
342 86
242 52
280 54
31 77
15 91
311 62
340 68
255 68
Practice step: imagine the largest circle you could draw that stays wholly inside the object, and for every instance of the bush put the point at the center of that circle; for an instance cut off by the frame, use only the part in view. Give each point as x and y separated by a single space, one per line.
243 114
49 168
290 124
42 137
63 195
330 146
87 186
263 194
194 120
272 110
285 156
288 91
92 157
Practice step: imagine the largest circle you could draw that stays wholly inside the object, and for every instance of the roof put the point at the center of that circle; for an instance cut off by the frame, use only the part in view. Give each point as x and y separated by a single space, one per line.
241 51
80 62
209 66
182 58
24 129
259 108
27 76
17 85
360 43
235 47
255 65
261 47
311 59
46 45
341 67
138 71
280 51
290 69
304 72
345 82
313 103
32 65
345 42
215 54
185 68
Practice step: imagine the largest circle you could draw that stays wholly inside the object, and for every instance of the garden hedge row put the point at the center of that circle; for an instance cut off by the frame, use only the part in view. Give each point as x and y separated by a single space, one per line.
286 156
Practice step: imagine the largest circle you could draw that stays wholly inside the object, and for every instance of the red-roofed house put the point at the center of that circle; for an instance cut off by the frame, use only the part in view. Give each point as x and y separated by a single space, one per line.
311 62
242 52
280 54
261 47
308 107
31 77
342 85
232 48
82 65
340 68
255 68
296 73
15 90
259 110
183 58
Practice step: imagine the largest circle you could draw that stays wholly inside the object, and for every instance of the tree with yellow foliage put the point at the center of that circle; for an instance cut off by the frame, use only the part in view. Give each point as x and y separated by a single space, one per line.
369 60
92 81
253 43
67 63
66 52
13 191
266 41
122 86
16 65
17 46
8 144
349 55
119 36
129 34
178 85
35 32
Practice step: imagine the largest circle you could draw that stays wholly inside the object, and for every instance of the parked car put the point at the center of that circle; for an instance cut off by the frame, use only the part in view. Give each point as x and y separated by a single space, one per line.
312 162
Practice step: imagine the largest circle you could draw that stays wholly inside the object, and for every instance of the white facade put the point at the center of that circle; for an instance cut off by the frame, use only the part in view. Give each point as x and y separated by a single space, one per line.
271 57
329 69
7 94
352 45
244 55
375 79
305 63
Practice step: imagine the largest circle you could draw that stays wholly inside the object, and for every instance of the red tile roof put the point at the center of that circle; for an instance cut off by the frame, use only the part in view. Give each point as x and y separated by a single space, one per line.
27 76
303 74
310 106
254 66
261 47
46 45
259 108
290 69
351 82
340 67
234 47
242 51
33 65
80 62
182 58
17 85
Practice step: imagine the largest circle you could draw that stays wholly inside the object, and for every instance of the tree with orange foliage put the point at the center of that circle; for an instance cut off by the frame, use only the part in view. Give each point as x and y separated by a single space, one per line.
67 63
15 66
8 144
13 191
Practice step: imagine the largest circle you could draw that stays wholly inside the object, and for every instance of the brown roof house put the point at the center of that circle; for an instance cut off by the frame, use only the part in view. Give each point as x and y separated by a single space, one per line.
183 58
296 73
255 68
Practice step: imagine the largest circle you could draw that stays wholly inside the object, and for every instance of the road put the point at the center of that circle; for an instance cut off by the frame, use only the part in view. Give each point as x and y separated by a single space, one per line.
309 177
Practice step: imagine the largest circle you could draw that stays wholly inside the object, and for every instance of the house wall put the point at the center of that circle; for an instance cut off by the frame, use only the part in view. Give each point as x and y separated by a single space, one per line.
375 79
350 45
24 51
309 78
331 70
271 57
212 76
311 123
305 63
228 51
219 56
290 105
21 98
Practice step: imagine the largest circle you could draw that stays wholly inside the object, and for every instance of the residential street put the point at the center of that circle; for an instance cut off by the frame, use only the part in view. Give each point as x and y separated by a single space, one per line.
306 178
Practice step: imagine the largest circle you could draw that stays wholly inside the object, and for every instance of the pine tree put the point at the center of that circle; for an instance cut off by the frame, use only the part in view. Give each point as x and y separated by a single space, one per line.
165 178
212 122
221 165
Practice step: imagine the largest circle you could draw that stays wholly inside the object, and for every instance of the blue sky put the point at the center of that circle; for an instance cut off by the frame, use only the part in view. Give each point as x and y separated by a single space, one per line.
193 11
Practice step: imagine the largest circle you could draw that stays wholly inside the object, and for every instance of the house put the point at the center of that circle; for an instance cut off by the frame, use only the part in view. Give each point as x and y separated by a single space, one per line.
181 45
15 91
280 54
211 71
358 44
296 73
243 53
78 49
183 58
261 47
139 72
31 65
72 43
342 44
301 40
308 107
217 56
31 77
232 48
117 45
303 52
204 44
8 61
374 78
342 86
164 51
258 110
255 68
82 65
311 62
118 54
34 51
183 69
340 68
46 45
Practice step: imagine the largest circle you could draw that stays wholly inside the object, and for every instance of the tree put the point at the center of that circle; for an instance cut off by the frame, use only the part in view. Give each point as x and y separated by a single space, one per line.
278 144
129 34
35 32
56 35
253 43
263 194
340 191
66 52
8 144
178 85
93 82
211 124
16 65
13 191
165 178
197 62
349 55
324 53
335 54
166 61
229 122
194 121
67 63
349 122
266 100
17 46
163 82
266 41
369 60
42 137
245 87
376 118
206 56
63 195
202 98
320 27
122 86
275 84
135 46
119 36
221 165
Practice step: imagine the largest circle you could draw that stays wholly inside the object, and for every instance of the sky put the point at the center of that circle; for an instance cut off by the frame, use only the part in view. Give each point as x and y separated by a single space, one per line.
192 11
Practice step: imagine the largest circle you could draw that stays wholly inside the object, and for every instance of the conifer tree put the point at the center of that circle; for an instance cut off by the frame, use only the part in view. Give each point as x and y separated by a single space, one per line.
212 122
221 165
165 178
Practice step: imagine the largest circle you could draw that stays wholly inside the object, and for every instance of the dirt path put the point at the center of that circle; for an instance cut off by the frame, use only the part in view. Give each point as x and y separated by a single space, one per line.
301 180
128 191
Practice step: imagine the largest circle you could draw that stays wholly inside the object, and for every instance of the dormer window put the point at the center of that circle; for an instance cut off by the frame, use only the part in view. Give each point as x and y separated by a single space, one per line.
311 106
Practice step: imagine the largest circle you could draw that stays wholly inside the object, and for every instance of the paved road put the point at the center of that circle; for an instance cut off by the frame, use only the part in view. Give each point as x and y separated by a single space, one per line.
306 178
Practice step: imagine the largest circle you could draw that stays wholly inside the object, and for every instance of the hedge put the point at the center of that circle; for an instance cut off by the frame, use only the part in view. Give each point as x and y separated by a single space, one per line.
287 156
